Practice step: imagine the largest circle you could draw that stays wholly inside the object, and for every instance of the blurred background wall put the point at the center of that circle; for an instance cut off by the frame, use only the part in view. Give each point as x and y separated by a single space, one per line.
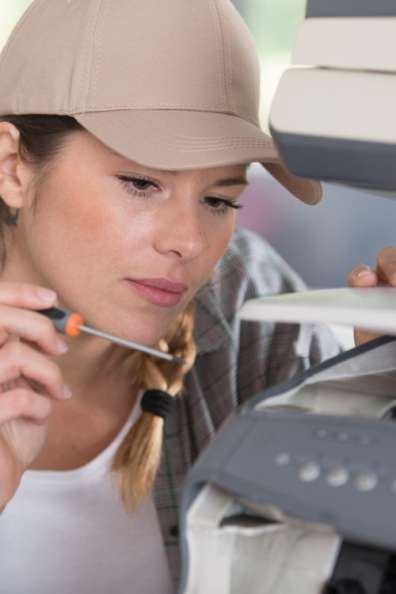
323 242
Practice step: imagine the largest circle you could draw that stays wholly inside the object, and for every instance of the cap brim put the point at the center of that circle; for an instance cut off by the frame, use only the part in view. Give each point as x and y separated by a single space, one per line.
179 140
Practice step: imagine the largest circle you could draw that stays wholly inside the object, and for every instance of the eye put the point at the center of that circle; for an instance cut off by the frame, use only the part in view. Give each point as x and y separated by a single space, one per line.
138 186
221 205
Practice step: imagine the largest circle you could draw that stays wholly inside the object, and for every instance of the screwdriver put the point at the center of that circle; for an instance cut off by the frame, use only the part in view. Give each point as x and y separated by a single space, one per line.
72 324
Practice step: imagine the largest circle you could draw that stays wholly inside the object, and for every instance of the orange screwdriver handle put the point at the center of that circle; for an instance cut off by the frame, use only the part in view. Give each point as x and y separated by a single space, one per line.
64 320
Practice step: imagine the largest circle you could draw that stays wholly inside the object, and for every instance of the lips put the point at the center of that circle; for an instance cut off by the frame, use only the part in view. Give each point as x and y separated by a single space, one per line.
162 284
159 291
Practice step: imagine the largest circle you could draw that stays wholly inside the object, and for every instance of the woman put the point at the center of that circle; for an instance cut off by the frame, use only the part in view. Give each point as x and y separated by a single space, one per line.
125 135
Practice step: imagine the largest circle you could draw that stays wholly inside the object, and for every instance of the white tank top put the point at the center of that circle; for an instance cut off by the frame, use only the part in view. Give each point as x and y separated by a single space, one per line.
66 532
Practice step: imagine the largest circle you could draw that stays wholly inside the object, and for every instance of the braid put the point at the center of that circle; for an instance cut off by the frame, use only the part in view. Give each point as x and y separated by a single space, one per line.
138 457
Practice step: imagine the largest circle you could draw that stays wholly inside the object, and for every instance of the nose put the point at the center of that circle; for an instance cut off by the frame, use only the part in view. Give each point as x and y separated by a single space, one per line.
181 229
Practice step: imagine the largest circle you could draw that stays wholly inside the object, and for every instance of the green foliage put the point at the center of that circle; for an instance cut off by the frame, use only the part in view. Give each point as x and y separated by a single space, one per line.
273 23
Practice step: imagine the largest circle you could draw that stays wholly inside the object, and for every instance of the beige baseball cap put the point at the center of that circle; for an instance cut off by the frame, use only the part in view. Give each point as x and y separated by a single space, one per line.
169 84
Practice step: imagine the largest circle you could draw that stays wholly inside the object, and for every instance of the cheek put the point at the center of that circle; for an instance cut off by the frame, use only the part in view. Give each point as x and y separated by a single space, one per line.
88 237
219 236
73 228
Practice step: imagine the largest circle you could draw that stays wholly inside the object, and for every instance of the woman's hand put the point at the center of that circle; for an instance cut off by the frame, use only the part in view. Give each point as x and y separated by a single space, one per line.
363 276
30 380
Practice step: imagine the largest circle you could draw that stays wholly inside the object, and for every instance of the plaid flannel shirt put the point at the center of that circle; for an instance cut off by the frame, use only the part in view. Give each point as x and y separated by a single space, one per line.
236 359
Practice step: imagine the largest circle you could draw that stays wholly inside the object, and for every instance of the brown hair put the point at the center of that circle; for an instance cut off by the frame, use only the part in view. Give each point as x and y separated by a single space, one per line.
137 459
139 455
41 138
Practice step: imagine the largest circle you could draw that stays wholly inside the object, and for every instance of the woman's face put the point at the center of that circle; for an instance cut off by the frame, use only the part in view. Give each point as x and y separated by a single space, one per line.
98 228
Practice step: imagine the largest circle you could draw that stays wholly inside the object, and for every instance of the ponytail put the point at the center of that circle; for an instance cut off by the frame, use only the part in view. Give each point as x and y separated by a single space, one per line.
138 457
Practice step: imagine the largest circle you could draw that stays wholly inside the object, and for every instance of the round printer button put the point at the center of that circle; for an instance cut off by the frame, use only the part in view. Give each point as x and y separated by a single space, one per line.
343 436
322 433
337 477
365 440
282 459
366 481
309 472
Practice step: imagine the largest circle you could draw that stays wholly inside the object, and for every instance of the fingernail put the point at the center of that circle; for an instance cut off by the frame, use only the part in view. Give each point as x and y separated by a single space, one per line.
67 393
61 346
46 295
364 273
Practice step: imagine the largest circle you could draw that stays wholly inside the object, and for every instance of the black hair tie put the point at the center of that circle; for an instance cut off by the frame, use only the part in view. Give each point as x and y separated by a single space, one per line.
157 402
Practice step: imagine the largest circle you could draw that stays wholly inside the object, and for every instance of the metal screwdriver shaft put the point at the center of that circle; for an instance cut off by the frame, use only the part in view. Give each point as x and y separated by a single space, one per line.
132 345
71 324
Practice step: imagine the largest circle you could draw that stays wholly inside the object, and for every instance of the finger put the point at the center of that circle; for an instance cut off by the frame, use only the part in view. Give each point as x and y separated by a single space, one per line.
24 403
362 336
17 359
31 297
362 276
27 295
33 327
386 266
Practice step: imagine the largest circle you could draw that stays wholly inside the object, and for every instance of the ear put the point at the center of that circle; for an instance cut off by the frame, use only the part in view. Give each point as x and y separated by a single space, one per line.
15 176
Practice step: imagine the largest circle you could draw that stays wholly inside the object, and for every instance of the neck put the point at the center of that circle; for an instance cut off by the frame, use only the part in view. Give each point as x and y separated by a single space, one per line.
92 367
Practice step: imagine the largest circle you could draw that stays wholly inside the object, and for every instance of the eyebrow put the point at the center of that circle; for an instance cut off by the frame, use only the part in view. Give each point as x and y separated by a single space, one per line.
235 181
221 183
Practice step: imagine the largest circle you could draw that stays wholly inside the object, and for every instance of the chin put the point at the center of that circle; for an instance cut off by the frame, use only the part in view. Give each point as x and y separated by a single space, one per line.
143 334
145 326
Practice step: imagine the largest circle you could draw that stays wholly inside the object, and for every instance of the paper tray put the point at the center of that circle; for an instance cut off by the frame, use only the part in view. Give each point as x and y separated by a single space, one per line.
370 309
